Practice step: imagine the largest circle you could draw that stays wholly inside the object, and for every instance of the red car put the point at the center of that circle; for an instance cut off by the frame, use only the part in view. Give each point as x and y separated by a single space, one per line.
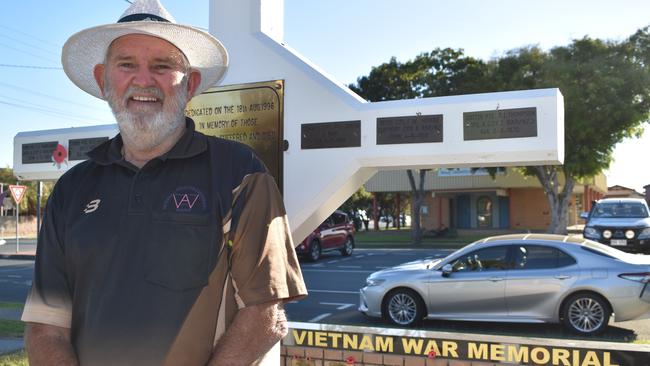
335 233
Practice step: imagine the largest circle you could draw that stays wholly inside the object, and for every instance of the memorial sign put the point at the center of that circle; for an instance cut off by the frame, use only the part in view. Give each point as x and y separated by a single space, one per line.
500 124
40 152
77 148
409 129
248 113
330 135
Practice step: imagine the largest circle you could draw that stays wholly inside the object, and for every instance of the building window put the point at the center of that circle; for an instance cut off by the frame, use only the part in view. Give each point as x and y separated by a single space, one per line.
484 212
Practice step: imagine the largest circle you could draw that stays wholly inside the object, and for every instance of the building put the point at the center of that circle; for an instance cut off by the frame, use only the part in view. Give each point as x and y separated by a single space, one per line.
622 192
466 198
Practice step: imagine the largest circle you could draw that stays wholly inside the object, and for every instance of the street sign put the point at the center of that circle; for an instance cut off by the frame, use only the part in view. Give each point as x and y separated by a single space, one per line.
18 192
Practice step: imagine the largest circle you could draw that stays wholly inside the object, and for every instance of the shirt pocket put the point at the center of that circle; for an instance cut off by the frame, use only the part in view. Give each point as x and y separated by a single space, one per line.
180 249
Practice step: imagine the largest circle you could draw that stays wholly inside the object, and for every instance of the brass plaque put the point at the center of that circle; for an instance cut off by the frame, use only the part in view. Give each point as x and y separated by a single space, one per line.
248 113
500 124
329 135
409 129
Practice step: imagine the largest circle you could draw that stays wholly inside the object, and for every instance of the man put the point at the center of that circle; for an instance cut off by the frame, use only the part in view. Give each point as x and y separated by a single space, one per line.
167 246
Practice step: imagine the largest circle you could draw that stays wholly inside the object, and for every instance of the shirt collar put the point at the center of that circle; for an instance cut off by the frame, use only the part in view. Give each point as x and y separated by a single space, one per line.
192 143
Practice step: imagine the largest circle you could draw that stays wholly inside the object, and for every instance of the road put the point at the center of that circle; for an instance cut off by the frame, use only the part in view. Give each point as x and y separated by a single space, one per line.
333 284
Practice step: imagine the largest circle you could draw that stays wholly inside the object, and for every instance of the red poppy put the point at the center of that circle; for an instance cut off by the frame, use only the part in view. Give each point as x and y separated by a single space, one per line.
59 154
432 354
350 360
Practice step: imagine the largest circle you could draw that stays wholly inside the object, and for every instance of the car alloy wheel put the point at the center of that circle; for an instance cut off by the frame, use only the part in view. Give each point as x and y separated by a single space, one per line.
586 313
314 250
404 307
348 247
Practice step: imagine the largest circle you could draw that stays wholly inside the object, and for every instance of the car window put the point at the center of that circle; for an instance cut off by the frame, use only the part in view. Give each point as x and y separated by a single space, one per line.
620 210
338 218
488 259
540 257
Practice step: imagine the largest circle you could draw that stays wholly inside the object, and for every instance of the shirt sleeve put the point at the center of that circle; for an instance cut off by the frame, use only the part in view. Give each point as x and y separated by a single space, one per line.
264 264
49 300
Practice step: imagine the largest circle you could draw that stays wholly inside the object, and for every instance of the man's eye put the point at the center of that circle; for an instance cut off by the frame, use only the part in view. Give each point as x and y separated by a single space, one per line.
162 67
125 65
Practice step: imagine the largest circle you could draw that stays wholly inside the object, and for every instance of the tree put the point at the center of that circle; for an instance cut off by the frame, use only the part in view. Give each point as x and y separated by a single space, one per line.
605 84
418 199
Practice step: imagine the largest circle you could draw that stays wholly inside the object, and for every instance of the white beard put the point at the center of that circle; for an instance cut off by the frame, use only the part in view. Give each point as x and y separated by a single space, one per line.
146 130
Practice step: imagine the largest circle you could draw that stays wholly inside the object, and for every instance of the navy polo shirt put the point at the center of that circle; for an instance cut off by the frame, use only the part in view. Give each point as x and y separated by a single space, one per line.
125 254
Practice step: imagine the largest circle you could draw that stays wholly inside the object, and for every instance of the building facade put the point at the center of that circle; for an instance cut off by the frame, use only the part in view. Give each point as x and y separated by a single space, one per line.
466 198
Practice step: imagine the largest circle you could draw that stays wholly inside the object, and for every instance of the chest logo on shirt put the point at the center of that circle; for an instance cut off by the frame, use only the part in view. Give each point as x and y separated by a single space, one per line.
185 199
92 206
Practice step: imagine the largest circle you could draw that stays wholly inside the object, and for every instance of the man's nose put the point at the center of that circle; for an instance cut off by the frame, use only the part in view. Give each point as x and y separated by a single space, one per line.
143 78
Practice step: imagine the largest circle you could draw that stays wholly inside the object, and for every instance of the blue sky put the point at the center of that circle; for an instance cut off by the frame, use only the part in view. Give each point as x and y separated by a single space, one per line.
344 37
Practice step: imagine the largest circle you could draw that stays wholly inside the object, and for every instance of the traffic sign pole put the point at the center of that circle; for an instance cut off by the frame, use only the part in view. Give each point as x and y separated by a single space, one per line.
18 192
17 243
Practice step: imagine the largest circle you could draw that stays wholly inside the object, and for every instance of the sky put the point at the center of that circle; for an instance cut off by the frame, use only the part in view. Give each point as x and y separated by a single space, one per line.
346 38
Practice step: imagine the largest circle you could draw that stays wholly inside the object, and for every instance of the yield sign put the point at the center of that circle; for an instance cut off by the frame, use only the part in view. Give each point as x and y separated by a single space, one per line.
18 192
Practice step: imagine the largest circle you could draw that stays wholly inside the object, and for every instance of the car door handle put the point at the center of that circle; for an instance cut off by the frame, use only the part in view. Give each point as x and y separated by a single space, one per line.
496 279
562 277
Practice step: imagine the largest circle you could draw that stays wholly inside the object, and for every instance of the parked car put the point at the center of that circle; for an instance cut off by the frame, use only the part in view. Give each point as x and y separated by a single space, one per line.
336 233
620 222
530 278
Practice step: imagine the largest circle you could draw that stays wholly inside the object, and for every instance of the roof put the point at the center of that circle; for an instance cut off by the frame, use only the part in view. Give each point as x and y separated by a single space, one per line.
527 236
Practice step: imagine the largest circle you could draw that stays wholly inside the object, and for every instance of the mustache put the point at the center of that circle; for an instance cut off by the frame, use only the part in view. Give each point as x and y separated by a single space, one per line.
152 91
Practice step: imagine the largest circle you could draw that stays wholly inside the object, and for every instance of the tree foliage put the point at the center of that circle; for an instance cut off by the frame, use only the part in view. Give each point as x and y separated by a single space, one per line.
605 84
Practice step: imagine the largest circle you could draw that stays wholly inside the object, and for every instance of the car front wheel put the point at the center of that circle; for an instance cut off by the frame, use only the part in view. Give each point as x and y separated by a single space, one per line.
404 307
586 313
314 251
348 247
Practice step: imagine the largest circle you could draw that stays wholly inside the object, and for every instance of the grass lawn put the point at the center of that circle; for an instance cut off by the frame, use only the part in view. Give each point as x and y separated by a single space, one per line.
11 328
18 358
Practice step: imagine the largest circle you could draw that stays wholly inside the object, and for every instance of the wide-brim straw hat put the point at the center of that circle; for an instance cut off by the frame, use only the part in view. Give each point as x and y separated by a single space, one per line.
83 50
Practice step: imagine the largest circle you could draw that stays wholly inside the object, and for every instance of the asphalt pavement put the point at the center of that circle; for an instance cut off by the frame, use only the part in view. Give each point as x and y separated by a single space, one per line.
26 248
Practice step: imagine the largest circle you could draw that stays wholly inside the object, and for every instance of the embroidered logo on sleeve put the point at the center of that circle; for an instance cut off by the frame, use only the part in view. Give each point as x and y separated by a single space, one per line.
92 206
185 199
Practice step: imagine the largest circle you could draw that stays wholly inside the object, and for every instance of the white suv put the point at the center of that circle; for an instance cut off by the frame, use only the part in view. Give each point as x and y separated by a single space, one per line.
623 223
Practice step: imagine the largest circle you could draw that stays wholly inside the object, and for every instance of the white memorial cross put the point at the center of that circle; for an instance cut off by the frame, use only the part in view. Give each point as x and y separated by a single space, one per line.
318 180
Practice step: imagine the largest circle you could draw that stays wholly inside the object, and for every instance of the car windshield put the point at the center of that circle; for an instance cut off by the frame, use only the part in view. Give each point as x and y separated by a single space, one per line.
438 264
620 210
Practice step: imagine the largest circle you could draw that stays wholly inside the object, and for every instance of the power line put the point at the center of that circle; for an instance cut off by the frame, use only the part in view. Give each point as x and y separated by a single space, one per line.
25 52
31 67
30 36
11 86
30 45
51 111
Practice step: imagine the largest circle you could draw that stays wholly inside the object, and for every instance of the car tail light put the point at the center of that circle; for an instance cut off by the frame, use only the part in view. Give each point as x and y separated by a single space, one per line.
643 277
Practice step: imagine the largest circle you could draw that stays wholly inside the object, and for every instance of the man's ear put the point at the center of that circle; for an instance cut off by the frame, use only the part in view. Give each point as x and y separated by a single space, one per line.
98 73
193 81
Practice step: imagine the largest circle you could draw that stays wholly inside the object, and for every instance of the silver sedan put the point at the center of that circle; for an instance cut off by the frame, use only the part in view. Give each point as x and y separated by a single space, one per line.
532 278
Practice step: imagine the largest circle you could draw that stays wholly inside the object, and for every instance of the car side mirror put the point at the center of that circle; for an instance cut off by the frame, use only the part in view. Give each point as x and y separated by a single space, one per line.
584 215
447 269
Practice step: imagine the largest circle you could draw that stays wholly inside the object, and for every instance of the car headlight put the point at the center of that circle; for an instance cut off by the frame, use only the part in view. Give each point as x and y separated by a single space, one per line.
645 234
607 234
629 234
591 233
374 281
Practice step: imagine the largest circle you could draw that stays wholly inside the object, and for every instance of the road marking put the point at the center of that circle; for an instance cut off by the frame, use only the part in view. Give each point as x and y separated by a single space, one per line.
341 306
319 318
14 276
350 267
335 270
334 261
334 292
